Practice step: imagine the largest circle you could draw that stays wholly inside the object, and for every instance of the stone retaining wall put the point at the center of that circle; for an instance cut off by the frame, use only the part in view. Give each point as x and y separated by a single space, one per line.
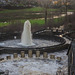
48 49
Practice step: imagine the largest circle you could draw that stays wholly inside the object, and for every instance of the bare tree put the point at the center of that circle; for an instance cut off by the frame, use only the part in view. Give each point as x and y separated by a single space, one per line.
25 3
46 4
66 3
19 2
73 4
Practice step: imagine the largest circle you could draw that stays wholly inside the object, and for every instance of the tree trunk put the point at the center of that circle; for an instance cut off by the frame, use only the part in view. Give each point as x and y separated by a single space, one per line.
45 16
66 12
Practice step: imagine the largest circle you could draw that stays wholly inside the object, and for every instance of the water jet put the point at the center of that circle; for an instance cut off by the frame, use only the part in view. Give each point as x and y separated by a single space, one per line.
26 37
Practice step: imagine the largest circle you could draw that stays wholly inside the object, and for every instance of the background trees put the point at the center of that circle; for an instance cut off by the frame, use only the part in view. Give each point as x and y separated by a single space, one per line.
45 4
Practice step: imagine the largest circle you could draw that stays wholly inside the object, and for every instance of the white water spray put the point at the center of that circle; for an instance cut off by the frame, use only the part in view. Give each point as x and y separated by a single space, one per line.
26 37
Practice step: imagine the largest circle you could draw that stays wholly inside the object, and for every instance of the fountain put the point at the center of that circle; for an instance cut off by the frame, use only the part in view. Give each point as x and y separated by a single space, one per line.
11 43
41 44
26 38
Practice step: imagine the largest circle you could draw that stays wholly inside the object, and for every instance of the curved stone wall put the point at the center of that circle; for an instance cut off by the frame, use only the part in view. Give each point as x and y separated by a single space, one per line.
70 35
49 49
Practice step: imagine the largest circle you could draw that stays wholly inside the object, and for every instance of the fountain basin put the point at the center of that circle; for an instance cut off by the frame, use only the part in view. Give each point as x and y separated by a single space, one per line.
38 43
49 48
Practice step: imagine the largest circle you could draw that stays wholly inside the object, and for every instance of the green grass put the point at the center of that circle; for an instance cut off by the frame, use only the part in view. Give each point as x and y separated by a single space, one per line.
21 16
8 11
33 22
4 24
52 9
57 20
39 22
70 10
35 9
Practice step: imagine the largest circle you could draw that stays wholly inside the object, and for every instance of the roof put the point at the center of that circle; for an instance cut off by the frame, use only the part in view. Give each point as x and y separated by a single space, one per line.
71 45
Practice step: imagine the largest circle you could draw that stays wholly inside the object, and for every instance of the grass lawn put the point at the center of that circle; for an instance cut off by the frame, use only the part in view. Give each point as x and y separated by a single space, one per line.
28 13
21 15
70 10
35 9
39 22
22 10
4 24
56 20
33 22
